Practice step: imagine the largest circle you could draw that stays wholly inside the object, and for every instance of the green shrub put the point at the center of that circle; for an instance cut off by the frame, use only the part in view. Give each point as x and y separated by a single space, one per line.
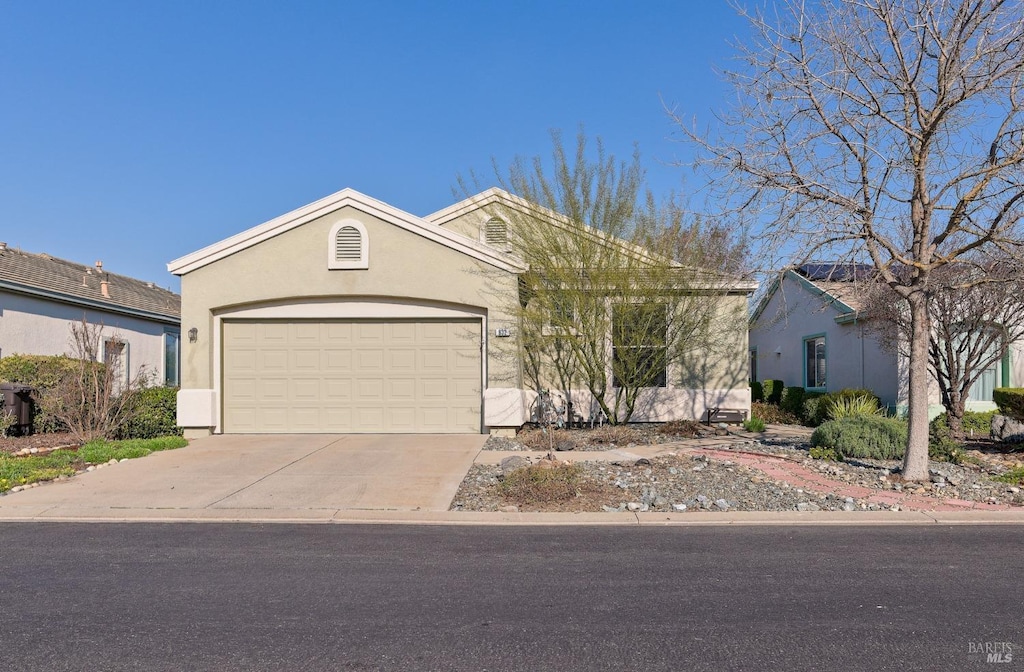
755 424
1010 401
151 413
793 400
1014 476
40 372
756 391
820 453
773 391
866 436
812 413
942 447
772 414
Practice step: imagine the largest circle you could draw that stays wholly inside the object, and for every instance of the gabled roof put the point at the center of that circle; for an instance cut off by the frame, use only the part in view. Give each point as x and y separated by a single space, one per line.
69 282
497 198
345 197
844 296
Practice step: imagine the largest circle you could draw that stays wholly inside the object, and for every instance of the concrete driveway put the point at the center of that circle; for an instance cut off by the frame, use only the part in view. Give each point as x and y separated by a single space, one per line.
287 476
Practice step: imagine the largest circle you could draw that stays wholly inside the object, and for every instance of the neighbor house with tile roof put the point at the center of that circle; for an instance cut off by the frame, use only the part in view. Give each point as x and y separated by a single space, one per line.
42 296
811 330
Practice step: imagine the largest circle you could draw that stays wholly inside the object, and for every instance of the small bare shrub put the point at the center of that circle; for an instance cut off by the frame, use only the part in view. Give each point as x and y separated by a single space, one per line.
92 398
548 439
542 483
772 414
618 434
680 428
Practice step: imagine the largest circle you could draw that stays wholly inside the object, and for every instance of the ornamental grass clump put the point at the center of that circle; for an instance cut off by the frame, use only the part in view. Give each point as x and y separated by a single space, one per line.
863 436
852 406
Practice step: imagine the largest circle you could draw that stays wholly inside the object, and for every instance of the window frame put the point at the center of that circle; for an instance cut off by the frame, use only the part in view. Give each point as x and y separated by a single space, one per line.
335 264
813 338
177 358
662 381
752 365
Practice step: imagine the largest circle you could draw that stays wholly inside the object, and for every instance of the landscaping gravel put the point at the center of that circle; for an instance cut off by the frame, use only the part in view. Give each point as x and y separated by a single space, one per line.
692 481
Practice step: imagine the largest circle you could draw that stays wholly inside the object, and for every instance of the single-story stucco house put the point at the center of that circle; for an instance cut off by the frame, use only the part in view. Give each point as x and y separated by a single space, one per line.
41 297
351 315
811 330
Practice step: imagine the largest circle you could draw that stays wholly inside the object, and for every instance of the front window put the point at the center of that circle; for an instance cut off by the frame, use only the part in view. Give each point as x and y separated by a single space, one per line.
814 362
753 365
172 358
639 352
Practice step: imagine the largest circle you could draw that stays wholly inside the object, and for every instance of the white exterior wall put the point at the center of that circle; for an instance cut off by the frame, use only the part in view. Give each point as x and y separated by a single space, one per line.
853 356
36 326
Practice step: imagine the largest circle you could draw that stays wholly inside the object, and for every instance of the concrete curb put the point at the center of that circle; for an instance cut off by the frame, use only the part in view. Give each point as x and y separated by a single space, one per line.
624 519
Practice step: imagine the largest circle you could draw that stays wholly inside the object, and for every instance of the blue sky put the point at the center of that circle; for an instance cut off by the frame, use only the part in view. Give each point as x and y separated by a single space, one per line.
137 132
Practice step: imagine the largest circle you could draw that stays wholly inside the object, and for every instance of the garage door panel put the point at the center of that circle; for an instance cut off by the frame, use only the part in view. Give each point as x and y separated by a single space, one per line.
352 376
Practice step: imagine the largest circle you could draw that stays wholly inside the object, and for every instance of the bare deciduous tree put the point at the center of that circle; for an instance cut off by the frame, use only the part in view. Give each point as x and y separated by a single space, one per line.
973 323
886 130
93 397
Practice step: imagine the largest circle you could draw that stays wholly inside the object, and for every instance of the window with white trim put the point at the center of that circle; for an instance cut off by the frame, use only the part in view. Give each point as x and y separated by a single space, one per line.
348 246
639 345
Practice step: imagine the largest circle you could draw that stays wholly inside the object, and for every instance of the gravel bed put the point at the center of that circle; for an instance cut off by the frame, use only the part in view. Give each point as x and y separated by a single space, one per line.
686 482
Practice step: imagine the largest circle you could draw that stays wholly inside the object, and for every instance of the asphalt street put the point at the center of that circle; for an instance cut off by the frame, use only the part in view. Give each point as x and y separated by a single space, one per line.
364 597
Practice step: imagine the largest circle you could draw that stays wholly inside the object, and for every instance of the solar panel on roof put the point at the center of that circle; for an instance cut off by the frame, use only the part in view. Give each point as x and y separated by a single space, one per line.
835 272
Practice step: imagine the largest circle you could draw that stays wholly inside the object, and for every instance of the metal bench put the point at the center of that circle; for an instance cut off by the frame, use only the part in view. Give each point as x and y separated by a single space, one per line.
716 414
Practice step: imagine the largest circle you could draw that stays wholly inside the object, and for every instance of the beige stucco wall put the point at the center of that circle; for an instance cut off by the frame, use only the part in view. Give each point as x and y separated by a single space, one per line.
470 224
404 268
35 326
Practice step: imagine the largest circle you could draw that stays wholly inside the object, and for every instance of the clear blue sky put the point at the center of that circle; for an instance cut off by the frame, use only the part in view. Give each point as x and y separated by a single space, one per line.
137 132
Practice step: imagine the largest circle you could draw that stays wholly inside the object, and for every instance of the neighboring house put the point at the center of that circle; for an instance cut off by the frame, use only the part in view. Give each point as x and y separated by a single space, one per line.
810 329
41 297
350 315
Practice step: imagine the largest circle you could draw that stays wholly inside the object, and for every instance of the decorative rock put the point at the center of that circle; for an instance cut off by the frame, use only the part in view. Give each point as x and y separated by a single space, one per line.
1013 491
1007 429
611 509
90 468
642 462
722 504
33 451
679 507
849 506
510 509
513 462
634 506
113 460
807 506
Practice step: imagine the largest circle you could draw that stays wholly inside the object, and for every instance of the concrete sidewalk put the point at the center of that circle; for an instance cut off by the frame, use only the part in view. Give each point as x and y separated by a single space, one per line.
401 479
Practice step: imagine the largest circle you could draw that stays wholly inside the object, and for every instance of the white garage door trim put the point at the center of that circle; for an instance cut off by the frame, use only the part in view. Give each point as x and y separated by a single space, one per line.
333 309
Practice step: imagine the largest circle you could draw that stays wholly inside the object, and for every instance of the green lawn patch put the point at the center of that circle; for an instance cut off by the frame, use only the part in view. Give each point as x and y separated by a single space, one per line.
15 471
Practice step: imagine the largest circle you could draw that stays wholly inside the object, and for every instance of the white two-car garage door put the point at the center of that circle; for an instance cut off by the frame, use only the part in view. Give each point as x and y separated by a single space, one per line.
327 376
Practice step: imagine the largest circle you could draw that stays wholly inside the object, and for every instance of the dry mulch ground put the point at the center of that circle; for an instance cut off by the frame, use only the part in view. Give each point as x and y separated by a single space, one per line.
12 444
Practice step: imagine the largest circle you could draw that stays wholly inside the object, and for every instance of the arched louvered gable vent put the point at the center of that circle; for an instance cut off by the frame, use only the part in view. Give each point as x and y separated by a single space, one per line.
348 246
496 233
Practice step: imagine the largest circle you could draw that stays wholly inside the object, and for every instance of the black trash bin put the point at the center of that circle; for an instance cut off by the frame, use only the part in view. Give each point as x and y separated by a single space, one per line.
18 402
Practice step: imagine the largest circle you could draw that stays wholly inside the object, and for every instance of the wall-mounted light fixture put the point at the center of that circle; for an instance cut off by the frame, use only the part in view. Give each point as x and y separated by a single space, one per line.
778 352
193 335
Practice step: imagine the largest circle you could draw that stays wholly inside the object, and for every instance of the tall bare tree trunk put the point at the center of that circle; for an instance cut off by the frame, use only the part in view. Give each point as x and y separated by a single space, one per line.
915 461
